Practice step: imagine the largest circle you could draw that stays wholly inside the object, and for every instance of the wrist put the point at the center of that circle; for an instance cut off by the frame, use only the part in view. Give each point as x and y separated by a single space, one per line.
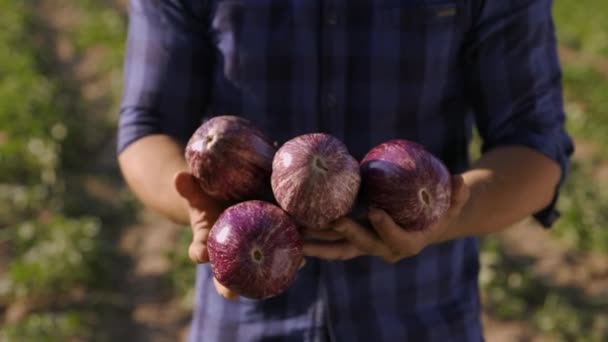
458 223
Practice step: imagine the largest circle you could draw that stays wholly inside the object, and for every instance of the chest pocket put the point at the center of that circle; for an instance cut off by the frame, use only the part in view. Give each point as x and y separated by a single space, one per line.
422 13
426 33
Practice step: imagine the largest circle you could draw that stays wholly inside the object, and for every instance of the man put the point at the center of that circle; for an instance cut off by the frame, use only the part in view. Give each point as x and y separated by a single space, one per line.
366 72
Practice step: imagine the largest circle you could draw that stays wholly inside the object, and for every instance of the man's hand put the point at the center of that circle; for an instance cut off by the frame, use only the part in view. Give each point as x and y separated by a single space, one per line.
347 239
204 211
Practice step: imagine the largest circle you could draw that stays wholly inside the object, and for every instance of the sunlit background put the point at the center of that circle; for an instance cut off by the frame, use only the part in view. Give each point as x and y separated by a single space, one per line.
81 260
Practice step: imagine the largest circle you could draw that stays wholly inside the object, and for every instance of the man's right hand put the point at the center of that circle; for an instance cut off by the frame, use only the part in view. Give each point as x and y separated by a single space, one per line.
203 211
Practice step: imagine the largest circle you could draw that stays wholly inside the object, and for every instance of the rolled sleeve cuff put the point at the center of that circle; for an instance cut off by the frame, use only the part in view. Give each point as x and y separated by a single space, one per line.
134 124
557 146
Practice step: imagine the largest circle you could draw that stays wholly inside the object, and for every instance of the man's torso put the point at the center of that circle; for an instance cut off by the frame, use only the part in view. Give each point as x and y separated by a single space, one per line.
366 72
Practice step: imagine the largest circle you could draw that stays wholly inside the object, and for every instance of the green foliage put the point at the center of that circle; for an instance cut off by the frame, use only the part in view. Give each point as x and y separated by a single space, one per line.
182 276
515 292
583 202
584 208
31 183
47 327
586 103
104 26
54 257
582 25
104 30
57 237
30 118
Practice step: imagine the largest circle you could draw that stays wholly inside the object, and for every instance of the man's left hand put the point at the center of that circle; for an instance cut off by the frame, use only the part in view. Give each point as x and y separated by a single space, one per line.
348 239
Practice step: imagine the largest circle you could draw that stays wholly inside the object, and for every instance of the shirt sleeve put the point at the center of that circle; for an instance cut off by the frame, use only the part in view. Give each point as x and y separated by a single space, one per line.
166 70
515 82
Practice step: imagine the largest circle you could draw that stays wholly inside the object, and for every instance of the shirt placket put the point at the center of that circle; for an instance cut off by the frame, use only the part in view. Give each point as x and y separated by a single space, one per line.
332 94
333 67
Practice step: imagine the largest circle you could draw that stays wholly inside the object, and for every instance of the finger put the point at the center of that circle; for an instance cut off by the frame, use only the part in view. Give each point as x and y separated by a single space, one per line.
302 264
224 291
202 222
324 235
198 253
395 236
332 251
463 191
363 238
198 247
185 185
460 196
188 188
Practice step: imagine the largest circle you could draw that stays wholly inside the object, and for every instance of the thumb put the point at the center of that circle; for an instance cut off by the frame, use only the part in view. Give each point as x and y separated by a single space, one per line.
198 249
460 193
188 188
185 184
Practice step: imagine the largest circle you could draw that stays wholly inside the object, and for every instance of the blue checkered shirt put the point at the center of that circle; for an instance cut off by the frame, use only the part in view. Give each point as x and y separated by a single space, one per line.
365 71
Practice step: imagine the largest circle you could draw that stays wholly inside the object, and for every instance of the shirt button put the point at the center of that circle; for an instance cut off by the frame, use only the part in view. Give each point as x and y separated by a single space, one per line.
332 19
331 101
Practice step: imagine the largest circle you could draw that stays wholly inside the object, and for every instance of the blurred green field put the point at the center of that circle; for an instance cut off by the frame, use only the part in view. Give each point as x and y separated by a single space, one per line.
64 211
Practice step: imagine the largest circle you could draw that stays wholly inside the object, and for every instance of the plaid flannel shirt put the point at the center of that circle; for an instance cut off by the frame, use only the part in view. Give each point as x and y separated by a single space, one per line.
366 72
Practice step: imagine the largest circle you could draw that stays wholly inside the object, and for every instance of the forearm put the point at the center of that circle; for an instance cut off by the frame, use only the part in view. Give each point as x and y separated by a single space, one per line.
148 166
507 185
